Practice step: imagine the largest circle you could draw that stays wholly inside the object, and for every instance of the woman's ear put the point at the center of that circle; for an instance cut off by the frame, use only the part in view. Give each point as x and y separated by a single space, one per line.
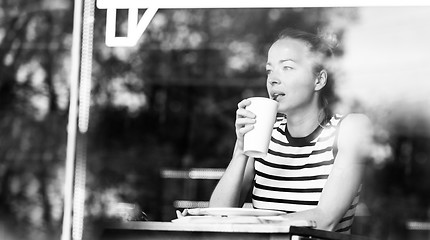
321 80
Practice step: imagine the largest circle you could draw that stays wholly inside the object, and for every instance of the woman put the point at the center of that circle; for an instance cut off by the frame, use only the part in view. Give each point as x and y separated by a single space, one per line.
315 161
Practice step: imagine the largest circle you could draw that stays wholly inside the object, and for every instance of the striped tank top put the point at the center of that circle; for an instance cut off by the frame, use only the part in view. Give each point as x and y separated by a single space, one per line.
293 174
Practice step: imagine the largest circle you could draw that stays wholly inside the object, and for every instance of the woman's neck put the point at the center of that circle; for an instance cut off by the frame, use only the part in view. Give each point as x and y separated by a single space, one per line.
301 124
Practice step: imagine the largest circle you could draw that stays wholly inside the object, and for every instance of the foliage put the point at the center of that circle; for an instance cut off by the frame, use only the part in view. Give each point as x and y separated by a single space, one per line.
33 116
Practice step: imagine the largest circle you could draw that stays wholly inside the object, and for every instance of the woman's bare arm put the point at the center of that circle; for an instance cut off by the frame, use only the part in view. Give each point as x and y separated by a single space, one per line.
237 179
235 183
354 144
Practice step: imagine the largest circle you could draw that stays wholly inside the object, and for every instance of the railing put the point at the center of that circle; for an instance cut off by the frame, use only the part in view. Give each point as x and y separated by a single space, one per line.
189 181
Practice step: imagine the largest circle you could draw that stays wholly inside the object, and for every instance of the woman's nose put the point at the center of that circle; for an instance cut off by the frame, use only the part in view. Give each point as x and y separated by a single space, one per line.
272 80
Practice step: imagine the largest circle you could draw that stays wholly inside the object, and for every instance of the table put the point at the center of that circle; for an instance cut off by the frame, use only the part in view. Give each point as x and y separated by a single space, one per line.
189 231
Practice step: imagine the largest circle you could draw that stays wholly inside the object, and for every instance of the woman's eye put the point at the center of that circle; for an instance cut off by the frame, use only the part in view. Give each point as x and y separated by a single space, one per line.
287 68
268 71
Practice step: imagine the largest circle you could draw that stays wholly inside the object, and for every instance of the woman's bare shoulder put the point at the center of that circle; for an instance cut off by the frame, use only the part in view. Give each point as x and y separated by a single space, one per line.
356 133
356 122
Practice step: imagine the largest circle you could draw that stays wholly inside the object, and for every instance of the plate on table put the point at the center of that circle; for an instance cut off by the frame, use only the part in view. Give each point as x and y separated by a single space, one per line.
234 212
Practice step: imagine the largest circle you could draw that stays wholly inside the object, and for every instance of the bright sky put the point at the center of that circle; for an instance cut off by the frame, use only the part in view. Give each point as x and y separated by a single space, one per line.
387 58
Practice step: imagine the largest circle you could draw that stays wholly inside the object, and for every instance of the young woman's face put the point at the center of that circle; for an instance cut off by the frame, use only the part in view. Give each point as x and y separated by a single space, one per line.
290 79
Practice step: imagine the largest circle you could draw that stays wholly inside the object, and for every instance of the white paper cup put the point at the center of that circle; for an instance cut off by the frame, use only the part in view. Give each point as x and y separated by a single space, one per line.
256 142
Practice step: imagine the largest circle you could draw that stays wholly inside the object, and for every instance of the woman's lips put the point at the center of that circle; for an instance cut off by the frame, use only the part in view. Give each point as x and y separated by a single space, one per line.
277 96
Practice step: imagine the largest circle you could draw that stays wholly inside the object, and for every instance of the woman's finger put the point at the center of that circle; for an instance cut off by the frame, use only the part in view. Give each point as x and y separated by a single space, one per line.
243 103
243 113
246 129
181 214
240 122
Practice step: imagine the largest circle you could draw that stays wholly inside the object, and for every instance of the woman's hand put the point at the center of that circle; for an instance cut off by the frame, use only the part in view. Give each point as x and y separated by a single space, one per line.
244 120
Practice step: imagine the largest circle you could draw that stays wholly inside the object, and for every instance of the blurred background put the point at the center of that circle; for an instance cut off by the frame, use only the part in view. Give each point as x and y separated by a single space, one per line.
162 113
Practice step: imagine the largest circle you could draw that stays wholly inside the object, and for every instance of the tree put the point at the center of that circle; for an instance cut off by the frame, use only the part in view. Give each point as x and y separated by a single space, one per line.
33 114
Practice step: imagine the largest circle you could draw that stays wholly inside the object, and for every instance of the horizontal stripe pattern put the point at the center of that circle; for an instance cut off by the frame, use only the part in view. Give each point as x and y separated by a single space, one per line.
293 174
284 189
283 178
303 155
295 167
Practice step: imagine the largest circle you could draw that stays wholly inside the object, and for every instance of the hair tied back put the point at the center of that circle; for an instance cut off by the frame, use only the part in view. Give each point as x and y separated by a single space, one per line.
330 39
